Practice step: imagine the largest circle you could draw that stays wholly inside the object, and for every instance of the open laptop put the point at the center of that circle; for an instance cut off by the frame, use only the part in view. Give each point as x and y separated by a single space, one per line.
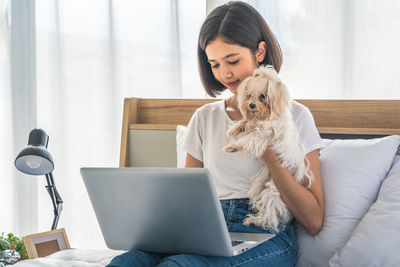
164 210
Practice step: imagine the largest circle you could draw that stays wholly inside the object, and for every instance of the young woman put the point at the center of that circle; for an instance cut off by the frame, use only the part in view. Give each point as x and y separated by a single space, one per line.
233 41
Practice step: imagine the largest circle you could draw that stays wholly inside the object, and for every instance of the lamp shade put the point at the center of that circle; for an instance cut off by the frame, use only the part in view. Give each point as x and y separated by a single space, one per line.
35 159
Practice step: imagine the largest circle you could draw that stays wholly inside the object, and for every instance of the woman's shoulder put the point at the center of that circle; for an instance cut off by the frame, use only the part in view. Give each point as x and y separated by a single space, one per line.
298 107
299 110
212 107
305 123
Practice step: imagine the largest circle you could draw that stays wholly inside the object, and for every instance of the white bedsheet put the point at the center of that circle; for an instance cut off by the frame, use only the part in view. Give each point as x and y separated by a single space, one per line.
73 258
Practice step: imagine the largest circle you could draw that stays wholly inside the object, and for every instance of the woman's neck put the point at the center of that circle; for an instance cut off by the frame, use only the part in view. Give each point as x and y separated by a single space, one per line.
232 109
232 104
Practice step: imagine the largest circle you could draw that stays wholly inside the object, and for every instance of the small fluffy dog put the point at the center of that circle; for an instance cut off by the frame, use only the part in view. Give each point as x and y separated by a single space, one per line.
267 123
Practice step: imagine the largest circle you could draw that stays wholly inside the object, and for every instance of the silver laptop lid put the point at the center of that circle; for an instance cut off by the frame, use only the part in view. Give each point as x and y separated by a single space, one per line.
164 210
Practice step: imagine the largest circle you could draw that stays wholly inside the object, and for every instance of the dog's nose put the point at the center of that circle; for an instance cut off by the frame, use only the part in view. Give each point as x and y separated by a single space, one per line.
252 106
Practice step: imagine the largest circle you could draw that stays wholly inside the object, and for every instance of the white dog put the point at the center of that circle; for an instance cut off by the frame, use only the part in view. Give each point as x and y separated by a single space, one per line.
267 123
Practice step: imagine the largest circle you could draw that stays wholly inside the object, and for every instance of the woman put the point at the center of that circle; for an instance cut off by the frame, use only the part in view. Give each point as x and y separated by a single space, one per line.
233 41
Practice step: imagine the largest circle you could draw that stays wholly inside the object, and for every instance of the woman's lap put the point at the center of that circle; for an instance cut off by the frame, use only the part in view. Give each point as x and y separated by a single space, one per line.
278 251
269 253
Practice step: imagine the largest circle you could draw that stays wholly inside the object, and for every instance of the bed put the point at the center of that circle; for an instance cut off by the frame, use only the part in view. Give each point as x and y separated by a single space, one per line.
359 165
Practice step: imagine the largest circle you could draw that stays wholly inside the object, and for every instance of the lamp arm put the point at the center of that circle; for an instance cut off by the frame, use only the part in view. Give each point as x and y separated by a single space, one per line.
57 195
55 199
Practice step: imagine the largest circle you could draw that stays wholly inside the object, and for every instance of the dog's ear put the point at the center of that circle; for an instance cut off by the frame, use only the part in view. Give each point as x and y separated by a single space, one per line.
266 71
241 90
279 98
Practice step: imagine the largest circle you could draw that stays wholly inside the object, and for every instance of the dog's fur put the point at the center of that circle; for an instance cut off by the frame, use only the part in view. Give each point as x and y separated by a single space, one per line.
267 123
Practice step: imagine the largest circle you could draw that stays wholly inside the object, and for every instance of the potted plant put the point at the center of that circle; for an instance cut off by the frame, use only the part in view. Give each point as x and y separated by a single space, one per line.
12 249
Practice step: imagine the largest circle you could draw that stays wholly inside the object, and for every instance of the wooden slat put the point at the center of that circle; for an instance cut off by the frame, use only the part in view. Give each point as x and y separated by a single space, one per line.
153 126
357 114
322 130
327 113
130 116
360 131
169 111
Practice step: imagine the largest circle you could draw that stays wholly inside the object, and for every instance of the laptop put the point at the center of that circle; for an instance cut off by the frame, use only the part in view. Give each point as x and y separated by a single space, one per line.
163 210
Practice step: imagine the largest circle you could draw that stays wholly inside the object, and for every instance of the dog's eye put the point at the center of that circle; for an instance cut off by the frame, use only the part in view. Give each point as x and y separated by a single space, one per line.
263 96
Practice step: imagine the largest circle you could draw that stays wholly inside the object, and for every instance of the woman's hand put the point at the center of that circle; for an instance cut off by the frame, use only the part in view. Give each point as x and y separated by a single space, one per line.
306 204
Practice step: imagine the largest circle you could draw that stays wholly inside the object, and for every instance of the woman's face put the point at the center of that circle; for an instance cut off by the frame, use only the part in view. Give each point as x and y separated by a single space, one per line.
230 63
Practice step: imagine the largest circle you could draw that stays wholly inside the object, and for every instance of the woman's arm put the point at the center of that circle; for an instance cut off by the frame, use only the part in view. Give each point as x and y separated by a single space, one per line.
191 162
306 204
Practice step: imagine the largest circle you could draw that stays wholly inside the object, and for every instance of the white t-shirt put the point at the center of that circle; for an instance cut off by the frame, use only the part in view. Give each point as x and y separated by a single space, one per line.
234 172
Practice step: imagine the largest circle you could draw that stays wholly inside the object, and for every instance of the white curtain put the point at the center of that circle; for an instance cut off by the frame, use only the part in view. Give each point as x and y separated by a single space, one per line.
91 54
343 49
6 133
18 114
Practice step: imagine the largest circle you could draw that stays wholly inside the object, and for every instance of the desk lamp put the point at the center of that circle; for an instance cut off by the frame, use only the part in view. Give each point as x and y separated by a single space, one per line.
36 160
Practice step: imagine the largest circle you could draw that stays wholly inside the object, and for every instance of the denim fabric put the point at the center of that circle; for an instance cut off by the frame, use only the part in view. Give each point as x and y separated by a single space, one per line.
278 251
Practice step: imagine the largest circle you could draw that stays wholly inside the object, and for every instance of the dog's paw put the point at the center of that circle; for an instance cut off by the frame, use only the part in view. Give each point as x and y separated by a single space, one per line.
230 148
234 132
249 220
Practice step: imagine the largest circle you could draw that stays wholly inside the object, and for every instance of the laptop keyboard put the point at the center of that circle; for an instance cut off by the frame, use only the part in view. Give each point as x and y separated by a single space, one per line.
235 242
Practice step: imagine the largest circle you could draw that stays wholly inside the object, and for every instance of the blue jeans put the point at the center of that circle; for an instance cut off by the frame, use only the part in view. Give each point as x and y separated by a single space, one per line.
278 251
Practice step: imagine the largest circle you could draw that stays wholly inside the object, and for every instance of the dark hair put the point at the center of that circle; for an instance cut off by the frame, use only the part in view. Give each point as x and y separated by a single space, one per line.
236 23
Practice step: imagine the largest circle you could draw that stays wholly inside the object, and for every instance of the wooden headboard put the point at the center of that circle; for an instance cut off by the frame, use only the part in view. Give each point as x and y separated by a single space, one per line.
148 127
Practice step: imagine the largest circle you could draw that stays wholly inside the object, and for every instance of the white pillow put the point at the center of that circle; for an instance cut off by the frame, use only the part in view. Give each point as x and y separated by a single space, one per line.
352 172
180 152
376 240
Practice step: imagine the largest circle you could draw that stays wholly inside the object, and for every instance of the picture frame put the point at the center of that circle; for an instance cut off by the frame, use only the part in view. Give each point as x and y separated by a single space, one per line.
46 243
